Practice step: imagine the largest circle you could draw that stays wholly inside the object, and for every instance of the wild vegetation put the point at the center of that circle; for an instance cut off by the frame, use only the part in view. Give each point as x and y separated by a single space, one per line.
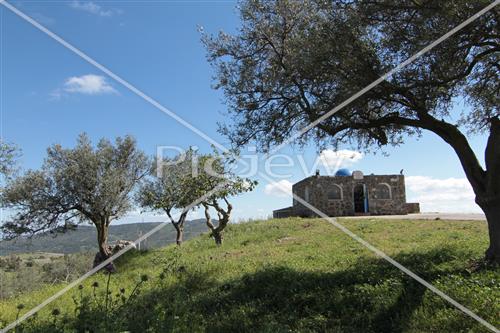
24 273
285 275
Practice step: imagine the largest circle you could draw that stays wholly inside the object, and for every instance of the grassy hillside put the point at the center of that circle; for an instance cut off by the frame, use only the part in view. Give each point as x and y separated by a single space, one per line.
28 272
83 239
300 275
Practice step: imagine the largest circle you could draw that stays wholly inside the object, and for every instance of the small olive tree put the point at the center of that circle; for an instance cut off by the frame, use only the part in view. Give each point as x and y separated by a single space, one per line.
76 185
216 181
168 189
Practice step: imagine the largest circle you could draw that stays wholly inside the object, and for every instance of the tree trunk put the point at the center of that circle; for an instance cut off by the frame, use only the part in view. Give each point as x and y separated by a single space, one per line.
104 252
492 254
218 232
178 225
180 233
102 240
218 236
485 183
491 204
492 212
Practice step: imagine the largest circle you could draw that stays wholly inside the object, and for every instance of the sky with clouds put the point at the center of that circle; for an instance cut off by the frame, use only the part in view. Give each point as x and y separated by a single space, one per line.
50 95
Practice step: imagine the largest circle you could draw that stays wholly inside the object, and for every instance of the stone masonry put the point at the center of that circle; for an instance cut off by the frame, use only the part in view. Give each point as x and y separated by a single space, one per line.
351 195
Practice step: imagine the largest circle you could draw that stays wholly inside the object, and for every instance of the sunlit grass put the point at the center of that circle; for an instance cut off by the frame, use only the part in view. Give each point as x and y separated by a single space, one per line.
294 275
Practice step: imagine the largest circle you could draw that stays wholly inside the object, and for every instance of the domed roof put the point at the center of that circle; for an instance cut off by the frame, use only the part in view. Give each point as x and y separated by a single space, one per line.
343 172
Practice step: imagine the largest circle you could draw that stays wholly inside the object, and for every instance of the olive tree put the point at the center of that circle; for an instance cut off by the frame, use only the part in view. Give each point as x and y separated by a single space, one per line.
9 153
215 182
291 62
168 189
76 185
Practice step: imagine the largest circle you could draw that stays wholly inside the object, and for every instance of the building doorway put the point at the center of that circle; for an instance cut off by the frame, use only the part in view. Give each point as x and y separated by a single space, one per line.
360 199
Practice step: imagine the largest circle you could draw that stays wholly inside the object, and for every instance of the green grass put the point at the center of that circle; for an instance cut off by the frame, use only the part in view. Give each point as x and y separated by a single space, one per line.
300 275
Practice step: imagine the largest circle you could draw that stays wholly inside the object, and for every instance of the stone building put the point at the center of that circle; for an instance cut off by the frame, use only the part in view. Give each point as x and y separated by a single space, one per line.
350 194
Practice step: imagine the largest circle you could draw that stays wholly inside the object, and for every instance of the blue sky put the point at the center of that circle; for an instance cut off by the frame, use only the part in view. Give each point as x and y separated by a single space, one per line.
50 95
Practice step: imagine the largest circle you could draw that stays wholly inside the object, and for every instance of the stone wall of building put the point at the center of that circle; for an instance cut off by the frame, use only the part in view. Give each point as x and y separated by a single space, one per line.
318 188
412 208
396 204
386 195
282 213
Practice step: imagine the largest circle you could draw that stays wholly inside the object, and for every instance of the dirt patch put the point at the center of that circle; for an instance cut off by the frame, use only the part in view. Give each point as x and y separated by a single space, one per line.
286 239
233 254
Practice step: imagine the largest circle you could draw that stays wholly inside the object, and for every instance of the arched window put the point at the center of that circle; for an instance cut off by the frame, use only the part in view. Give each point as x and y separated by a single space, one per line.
335 193
383 191
306 194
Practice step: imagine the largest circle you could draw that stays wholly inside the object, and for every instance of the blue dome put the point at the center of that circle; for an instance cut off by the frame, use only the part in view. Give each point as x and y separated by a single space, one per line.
343 172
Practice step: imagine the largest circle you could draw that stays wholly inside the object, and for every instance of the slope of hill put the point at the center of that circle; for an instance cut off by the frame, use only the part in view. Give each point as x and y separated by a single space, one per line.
83 239
289 275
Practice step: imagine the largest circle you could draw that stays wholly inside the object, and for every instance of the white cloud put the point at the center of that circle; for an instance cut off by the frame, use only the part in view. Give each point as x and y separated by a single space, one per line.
93 8
340 158
282 188
441 195
89 84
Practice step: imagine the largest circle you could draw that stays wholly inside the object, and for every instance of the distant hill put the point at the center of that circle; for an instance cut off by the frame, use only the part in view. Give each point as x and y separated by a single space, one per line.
83 239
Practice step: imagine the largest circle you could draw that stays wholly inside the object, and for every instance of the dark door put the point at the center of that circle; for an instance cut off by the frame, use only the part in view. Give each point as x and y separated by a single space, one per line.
360 200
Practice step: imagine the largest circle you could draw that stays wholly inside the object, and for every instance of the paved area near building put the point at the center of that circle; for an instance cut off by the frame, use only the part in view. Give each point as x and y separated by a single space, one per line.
425 216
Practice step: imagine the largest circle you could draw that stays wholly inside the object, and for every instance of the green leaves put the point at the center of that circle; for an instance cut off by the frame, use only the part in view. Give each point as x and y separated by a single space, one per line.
188 177
293 61
74 185
167 188
9 154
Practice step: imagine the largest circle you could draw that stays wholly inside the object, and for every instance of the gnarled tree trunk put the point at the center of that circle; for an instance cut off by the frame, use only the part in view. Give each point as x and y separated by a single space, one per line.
178 225
492 213
485 183
218 236
224 216
102 240
491 204
179 233
104 250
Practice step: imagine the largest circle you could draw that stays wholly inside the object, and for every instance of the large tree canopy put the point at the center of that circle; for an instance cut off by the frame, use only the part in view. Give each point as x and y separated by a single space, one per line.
293 61
75 185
